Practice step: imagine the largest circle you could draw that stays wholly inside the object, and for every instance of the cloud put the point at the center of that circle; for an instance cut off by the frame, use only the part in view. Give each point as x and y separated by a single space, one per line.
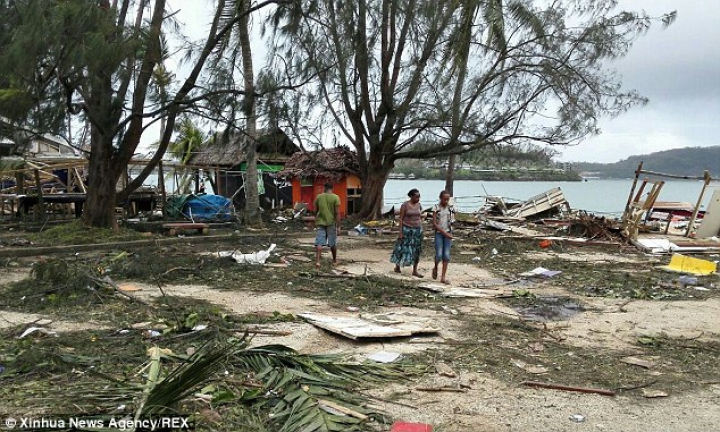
678 69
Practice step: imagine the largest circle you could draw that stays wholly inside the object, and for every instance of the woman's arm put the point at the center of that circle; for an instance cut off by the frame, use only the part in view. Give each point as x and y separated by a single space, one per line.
402 216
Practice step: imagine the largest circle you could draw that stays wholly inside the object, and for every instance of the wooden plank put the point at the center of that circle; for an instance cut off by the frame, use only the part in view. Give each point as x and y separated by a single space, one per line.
41 202
357 328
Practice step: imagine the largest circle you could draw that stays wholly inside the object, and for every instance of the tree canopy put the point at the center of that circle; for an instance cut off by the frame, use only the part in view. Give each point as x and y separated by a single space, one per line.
462 74
104 64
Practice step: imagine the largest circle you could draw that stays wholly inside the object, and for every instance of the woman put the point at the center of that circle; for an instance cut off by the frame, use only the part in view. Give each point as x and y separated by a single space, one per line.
409 243
443 218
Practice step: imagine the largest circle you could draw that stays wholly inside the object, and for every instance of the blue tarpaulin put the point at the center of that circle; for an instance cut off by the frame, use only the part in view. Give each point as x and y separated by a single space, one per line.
201 208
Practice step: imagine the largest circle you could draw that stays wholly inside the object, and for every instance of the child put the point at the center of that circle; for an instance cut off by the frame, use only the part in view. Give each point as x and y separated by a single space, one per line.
443 218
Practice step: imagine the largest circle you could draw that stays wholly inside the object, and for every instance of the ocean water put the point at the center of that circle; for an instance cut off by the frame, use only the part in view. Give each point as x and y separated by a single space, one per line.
602 197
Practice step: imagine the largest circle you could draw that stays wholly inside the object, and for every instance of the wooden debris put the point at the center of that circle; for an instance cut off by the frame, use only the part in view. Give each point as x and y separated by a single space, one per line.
442 389
554 386
445 370
651 394
647 364
531 369
341 409
129 287
446 291
267 332
359 328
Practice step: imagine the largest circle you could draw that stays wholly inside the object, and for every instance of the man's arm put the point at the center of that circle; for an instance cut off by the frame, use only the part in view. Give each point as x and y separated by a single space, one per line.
337 215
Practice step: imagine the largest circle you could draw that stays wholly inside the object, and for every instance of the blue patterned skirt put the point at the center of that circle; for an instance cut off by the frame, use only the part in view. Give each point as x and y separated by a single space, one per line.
407 251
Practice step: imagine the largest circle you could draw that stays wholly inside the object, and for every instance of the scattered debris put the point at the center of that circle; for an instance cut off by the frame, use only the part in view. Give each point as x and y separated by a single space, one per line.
451 291
541 271
442 389
545 308
411 427
554 386
647 364
39 330
384 357
651 394
128 287
337 409
687 280
547 202
531 369
445 370
358 328
299 258
577 418
252 258
685 264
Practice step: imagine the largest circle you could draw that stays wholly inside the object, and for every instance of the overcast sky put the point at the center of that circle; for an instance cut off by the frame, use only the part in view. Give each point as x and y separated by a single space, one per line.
677 68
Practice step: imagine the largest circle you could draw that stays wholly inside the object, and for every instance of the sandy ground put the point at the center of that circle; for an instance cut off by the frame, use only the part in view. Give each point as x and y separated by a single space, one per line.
489 405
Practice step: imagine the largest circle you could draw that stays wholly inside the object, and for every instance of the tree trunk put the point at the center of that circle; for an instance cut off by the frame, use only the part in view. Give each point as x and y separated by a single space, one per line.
372 192
99 208
450 174
252 198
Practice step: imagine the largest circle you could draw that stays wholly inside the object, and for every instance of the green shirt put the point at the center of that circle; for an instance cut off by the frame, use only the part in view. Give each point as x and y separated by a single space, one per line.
325 205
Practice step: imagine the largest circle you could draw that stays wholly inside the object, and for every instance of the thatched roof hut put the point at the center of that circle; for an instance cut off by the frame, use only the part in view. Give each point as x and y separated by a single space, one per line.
332 164
229 150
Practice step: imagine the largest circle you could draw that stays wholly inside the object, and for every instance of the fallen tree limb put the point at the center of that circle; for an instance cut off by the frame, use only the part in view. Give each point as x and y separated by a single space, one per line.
638 386
266 332
554 386
441 389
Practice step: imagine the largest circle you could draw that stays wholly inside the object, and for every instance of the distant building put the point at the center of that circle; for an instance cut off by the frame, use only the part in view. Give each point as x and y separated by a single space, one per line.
309 171
227 156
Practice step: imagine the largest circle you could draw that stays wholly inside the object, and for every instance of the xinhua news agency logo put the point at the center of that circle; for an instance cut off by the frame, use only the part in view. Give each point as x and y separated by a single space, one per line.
74 422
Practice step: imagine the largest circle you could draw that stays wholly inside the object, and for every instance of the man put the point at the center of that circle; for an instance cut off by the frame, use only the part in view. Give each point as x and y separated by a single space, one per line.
327 221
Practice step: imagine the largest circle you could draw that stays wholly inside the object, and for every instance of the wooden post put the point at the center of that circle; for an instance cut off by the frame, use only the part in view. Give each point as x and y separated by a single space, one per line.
124 186
632 190
698 204
20 182
41 202
161 184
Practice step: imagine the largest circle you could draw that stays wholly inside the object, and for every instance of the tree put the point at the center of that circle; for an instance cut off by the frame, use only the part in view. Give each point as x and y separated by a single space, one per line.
91 60
461 73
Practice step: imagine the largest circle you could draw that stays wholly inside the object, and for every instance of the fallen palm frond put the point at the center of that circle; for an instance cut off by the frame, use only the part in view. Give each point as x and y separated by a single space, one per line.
310 392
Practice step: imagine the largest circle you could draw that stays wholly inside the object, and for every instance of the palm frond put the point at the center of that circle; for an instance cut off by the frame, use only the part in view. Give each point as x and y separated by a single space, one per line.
186 379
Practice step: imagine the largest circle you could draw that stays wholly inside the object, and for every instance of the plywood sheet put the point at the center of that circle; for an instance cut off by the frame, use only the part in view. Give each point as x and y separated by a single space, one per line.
355 328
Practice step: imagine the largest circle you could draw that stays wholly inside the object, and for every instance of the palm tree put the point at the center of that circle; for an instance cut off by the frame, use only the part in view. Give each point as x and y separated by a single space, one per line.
189 140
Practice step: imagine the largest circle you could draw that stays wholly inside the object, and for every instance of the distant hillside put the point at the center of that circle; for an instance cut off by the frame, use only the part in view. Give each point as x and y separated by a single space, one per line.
690 161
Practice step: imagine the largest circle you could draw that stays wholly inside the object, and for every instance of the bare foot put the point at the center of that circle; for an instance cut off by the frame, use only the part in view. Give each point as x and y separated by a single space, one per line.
317 265
434 273
397 269
418 275
445 281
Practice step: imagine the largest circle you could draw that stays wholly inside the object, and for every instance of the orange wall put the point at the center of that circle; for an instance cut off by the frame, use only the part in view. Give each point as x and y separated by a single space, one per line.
339 188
